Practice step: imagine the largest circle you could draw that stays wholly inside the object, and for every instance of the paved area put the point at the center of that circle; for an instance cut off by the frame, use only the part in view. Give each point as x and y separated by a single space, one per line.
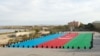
95 51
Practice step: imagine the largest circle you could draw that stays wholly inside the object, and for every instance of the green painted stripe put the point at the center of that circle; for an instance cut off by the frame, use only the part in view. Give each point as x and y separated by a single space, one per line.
82 40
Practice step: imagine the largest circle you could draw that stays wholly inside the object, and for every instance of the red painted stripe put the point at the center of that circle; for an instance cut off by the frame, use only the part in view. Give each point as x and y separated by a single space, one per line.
59 41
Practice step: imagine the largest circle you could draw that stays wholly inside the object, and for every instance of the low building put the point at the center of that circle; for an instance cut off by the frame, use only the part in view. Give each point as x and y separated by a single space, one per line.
96 24
21 34
44 32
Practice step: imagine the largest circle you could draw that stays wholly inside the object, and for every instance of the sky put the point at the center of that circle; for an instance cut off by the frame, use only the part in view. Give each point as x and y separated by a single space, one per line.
48 12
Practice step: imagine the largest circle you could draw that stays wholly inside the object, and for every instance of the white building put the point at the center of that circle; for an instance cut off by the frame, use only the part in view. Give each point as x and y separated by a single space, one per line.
21 34
44 32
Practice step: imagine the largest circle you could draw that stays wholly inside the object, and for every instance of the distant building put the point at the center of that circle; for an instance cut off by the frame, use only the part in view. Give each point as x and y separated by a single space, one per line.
44 31
96 24
20 34
72 25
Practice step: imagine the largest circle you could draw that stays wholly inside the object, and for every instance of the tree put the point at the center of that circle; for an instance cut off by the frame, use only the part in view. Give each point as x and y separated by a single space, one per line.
24 37
90 27
60 28
11 41
31 35
16 31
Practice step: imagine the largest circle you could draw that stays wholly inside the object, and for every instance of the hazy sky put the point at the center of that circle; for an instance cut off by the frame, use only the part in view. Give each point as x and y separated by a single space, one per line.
48 12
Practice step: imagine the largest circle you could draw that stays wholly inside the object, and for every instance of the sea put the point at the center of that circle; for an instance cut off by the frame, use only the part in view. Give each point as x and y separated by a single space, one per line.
8 30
